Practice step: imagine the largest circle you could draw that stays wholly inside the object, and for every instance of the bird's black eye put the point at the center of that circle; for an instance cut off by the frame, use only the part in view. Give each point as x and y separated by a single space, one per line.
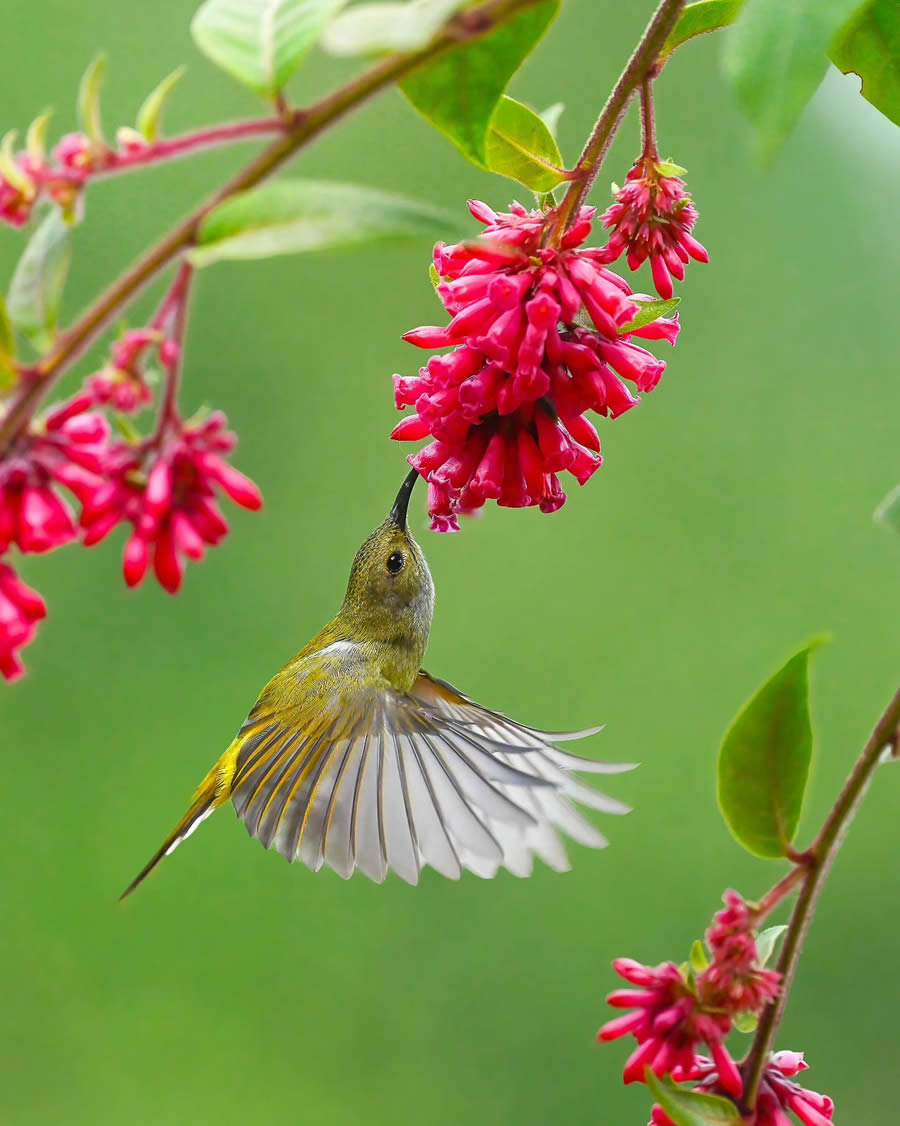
395 562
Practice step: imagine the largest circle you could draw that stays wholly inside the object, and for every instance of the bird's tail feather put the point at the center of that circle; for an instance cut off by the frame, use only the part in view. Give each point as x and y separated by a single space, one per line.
210 793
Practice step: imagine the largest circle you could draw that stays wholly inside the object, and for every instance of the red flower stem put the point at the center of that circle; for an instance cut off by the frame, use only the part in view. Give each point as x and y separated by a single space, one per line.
303 127
174 306
638 68
821 857
780 891
187 144
648 124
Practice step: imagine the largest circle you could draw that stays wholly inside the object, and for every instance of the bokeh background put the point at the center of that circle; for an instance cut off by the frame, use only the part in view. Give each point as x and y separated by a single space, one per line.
731 521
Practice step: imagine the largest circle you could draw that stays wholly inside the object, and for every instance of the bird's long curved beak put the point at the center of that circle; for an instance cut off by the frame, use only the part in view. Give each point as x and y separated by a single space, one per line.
397 515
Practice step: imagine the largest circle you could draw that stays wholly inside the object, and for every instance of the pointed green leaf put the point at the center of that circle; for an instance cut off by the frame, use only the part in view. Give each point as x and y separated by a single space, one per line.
764 761
261 42
775 59
698 959
670 168
690 1108
700 19
89 99
520 146
869 45
294 216
649 312
150 113
7 349
366 29
36 137
457 91
888 512
746 1022
766 941
37 284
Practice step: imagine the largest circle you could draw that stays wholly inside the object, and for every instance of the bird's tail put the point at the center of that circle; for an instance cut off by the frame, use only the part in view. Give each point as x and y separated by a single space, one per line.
211 792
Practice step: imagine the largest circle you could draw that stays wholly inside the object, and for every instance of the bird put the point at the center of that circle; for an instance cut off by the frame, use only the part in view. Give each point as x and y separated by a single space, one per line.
355 757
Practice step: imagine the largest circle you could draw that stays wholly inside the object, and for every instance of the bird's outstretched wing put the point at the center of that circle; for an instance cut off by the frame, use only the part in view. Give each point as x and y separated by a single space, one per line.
407 780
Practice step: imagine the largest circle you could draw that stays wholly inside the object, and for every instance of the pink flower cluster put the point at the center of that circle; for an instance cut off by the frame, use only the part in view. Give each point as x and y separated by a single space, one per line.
165 486
777 1093
677 1009
539 337
28 176
652 218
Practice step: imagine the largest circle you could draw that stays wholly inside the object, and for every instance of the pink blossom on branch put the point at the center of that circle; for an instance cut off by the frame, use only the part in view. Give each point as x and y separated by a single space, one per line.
668 1022
168 494
538 340
653 217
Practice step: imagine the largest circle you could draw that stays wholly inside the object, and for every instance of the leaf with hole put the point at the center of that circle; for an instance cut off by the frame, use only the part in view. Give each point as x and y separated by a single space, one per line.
458 91
296 216
764 760
869 45
37 283
261 42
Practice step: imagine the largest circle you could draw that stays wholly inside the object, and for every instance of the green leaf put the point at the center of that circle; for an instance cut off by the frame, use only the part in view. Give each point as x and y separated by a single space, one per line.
670 168
690 1108
38 280
775 59
698 959
649 312
746 1022
700 19
520 146
369 28
457 91
764 761
150 113
550 117
766 941
36 137
888 512
7 349
89 99
869 45
294 216
261 42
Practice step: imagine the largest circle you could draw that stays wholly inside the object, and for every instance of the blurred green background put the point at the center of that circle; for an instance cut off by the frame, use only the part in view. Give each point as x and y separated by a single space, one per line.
731 521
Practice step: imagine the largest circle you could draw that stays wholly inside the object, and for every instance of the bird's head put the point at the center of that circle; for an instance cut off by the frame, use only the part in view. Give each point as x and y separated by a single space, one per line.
390 595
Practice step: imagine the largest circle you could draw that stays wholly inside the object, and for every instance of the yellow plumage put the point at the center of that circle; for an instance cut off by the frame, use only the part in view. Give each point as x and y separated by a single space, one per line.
355 757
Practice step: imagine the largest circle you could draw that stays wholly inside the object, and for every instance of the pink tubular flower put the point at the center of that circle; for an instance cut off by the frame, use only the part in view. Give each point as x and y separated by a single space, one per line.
169 496
21 608
777 1093
537 339
653 217
668 1022
69 448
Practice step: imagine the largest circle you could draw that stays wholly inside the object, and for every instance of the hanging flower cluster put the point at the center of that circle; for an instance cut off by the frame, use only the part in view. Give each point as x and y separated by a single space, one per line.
652 218
541 333
165 485
675 1009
